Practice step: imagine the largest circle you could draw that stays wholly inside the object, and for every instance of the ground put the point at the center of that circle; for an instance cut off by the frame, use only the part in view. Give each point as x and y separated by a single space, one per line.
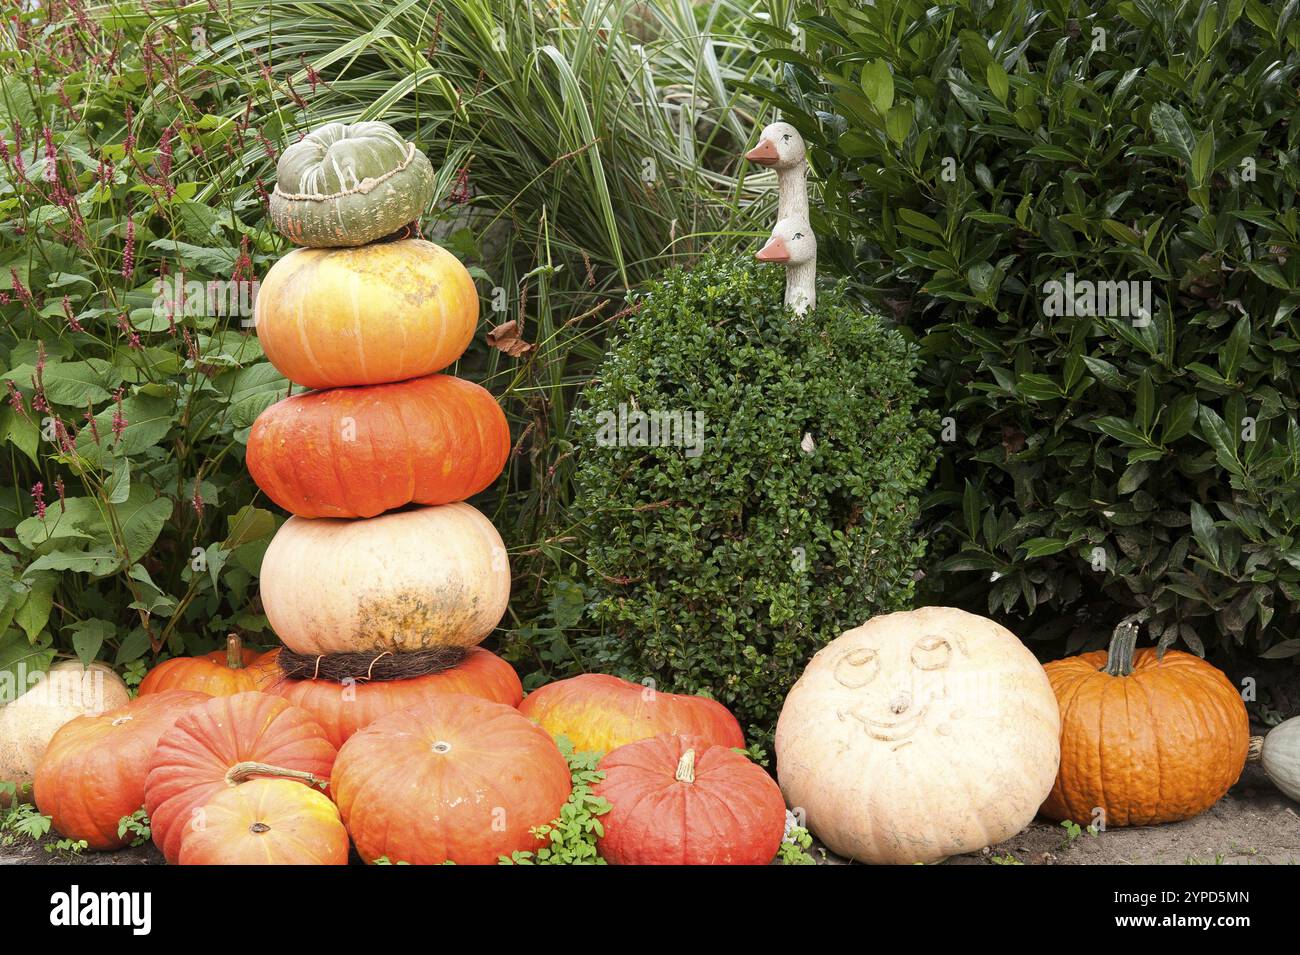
1254 824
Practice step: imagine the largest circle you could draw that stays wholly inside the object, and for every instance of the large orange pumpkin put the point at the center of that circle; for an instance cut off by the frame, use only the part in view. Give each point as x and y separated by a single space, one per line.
267 822
344 708
456 778
1144 739
411 580
357 452
683 800
224 742
219 673
365 315
598 713
93 772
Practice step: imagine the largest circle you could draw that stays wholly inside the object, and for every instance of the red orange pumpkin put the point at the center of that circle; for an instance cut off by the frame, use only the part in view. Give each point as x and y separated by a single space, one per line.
93 772
599 713
456 778
357 452
266 822
219 673
1145 739
344 708
682 800
226 741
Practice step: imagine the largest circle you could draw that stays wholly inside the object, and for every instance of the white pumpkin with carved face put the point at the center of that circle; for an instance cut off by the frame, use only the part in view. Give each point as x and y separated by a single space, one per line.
918 736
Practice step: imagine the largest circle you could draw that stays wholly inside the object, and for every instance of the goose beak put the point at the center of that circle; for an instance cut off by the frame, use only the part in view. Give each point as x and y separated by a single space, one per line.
774 251
764 153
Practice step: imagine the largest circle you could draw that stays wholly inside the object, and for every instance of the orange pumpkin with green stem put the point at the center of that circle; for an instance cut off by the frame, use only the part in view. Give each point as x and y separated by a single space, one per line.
1145 738
219 673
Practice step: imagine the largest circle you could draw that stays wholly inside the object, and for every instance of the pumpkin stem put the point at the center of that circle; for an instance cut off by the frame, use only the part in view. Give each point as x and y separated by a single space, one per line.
686 767
243 772
1255 752
234 652
1119 658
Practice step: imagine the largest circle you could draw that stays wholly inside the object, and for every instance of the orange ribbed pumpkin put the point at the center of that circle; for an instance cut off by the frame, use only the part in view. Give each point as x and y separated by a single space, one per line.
222 743
599 713
357 452
456 778
1144 739
93 772
345 708
366 315
219 673
682 800
267 822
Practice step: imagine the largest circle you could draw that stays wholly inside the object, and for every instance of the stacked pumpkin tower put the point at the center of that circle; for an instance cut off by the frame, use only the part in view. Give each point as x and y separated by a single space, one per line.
383 572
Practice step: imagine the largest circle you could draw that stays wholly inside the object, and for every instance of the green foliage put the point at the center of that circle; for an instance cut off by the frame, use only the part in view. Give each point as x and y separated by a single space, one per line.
720 566
128 520
570 839
138 825
795 846
1126 468
20 820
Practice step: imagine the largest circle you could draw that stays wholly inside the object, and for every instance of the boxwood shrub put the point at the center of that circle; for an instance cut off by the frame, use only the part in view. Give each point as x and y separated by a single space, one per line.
1100 464
719 564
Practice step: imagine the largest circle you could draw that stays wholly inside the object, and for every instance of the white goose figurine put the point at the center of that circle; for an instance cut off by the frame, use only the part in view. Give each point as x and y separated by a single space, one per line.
793 245
780 147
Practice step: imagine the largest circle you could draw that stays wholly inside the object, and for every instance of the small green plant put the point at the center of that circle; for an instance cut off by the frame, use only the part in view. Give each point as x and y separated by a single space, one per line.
747 485
1007 859
795 846
570 839
138 825
1073 831
73 847
20 820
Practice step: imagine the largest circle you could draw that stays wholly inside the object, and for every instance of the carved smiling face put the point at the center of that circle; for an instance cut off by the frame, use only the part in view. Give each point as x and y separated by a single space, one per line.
897 684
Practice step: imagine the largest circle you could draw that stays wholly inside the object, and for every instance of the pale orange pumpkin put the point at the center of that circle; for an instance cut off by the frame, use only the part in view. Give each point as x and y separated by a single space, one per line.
409 580
366 315
918 736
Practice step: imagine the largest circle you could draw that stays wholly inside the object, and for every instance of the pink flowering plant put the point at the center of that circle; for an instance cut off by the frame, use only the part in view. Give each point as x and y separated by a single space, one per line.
130 372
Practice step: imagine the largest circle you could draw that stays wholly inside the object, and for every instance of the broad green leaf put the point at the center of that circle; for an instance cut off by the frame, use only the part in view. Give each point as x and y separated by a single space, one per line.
1206 534
34 612
998 82
878 84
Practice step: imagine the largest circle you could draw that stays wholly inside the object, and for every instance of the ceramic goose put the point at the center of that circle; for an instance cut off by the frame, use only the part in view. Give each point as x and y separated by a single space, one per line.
781 148
793 245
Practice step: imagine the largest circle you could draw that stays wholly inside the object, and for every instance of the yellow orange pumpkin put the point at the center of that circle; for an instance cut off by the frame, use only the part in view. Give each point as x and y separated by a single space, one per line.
366 315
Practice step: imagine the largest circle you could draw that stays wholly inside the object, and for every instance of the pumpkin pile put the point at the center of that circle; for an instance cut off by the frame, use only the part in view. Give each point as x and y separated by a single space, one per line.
381 558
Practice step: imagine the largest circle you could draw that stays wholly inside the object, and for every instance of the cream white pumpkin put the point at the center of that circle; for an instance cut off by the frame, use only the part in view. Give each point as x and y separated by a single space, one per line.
1279 754
66 691
407 580
918 736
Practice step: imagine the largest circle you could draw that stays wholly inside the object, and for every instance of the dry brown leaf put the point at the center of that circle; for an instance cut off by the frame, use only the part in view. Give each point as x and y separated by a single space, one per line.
506 337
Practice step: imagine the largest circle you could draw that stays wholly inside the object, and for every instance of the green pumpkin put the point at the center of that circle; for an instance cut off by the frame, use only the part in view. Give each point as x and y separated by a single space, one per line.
346 185
1279 752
